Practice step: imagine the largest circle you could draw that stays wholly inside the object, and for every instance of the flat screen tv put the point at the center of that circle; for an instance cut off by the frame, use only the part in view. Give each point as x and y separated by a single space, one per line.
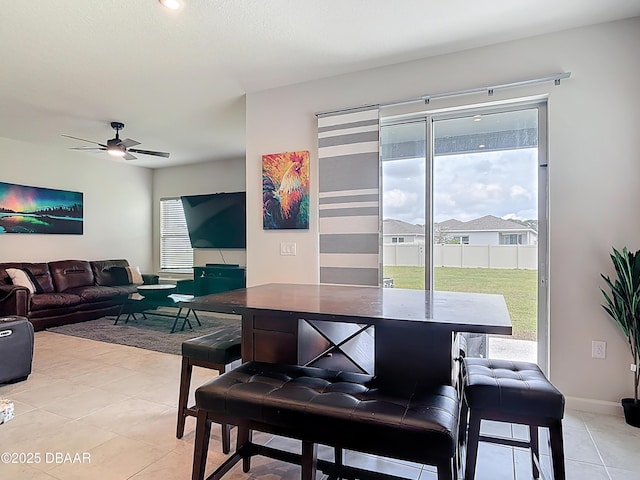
216 220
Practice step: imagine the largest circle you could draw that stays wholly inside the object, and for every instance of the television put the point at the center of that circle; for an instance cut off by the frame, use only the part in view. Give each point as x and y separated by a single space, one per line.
216 220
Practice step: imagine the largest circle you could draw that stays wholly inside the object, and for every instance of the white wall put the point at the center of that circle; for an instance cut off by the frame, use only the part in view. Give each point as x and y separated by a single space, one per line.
117 205
594 167
210 177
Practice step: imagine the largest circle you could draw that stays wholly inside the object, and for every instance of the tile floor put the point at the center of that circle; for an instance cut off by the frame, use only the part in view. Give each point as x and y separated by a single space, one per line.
92 410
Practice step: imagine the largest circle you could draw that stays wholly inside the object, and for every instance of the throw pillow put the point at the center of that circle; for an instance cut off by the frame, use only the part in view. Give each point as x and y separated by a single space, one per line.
23 278
134 275
119 276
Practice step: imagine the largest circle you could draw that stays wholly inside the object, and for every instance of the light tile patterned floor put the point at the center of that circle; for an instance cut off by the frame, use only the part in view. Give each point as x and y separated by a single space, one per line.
117 405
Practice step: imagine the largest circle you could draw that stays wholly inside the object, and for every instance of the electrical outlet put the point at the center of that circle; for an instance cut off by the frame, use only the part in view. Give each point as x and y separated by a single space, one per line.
633 367
287 248
598 349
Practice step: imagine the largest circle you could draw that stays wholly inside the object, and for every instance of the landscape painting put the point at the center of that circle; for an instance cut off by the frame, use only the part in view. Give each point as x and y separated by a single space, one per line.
25 209
285 190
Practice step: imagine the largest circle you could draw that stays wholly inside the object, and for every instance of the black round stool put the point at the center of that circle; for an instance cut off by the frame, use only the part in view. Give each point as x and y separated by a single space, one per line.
512 392
215 351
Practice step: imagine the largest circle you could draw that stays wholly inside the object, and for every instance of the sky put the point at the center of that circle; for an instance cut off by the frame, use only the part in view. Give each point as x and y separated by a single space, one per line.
466 186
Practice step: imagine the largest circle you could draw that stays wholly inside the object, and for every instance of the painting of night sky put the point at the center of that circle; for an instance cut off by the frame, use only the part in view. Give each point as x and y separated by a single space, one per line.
25 209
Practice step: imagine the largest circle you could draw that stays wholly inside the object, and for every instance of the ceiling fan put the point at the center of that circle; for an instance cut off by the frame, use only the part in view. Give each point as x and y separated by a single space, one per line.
118 147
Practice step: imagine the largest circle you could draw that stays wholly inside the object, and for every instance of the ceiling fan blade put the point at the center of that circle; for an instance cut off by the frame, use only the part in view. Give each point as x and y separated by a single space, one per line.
128 156
150 152
83 140
87 149
129 143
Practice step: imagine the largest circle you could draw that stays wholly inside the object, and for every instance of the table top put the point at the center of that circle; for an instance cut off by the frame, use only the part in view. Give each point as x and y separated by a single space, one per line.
173 300
157 287
456 311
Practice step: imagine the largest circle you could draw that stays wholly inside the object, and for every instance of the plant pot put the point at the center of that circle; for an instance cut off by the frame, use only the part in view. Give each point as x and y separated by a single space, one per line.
631 412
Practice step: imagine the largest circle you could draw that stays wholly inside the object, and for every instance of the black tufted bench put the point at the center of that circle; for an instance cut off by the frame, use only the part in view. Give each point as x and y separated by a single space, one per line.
513 392
340 409
215 351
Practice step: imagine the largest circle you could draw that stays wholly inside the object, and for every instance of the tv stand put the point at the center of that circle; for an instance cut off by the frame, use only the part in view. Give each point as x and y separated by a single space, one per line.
218 277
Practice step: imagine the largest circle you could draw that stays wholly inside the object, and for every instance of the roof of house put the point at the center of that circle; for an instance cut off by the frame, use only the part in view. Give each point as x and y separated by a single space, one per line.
488 222
391 226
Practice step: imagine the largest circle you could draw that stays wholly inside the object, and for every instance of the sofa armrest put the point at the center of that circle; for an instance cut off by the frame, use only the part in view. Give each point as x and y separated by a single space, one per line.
150 278
14 300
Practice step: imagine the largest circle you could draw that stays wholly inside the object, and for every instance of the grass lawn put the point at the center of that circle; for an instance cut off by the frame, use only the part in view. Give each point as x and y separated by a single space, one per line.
519 288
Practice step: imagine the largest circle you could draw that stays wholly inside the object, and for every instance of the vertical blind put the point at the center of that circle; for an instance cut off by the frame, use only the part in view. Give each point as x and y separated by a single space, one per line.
175 247
349 197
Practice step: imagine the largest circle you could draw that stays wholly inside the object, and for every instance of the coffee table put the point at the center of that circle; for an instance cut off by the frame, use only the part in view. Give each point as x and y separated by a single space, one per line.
155 296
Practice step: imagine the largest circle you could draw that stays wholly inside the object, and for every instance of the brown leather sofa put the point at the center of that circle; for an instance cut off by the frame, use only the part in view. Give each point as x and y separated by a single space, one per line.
67 291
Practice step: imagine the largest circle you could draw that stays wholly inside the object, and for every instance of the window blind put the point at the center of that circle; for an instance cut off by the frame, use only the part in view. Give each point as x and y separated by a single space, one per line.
175 248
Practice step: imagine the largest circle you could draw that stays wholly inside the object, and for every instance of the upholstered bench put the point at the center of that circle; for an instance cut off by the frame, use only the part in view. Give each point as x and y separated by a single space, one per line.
512 392
215 351
318 406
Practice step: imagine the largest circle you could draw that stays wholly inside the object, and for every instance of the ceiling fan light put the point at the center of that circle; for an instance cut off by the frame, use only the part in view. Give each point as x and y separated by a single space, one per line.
172 4
115 151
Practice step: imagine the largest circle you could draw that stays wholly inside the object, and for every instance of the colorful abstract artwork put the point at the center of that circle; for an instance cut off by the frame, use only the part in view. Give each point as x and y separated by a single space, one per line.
25 209
285 190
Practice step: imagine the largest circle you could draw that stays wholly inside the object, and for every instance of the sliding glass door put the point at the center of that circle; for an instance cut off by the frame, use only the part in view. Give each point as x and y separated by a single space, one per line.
462 208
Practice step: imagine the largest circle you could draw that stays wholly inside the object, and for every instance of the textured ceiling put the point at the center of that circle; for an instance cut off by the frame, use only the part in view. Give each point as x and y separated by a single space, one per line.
177 80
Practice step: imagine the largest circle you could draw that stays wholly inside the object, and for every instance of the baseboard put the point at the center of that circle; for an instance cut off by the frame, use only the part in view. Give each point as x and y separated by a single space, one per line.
594 406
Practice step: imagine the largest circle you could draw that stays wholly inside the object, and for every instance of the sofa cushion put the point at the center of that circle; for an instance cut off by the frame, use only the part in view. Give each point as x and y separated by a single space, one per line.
98 293
68 274
38 271
46 301
110 272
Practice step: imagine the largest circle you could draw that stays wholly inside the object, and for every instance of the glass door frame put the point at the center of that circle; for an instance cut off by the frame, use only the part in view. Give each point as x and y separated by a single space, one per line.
543 199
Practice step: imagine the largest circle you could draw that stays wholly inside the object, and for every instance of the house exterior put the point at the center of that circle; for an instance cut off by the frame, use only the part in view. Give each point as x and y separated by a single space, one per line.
487 230
396 231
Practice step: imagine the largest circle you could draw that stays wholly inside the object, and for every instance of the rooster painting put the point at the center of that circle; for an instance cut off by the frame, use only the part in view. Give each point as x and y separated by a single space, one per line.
285 190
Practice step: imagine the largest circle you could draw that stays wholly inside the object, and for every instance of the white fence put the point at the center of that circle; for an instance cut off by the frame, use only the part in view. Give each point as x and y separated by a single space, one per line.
464 256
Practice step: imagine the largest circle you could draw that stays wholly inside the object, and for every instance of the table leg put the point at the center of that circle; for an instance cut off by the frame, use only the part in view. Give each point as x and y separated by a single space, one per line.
175 321
185 320
195 315
119 313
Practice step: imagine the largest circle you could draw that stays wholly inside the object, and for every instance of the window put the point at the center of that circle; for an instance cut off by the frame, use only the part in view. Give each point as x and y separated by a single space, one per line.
462 239
175 248
397 239
510 239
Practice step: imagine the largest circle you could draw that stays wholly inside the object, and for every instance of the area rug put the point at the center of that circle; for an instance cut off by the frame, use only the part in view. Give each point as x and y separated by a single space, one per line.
151 333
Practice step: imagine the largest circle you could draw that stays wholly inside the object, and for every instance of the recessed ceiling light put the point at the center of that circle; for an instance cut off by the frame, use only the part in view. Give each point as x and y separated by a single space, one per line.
482 145
477 118
172 4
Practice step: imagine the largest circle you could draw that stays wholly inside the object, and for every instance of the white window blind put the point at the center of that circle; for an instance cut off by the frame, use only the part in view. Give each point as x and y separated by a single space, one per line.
175 249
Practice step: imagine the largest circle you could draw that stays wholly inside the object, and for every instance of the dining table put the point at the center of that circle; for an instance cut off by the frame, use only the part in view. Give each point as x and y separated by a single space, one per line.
401 336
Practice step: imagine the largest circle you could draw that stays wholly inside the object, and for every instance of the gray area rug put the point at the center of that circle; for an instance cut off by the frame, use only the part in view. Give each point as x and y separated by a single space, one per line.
151 333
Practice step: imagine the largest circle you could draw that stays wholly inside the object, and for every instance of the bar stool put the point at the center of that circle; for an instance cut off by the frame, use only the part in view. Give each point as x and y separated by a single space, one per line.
215 351
512 392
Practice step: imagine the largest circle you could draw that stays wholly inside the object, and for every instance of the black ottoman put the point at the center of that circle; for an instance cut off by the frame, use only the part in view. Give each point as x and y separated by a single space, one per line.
16 349
512 392
215 351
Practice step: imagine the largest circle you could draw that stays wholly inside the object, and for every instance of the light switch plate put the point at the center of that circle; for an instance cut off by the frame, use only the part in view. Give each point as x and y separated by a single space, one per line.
287 248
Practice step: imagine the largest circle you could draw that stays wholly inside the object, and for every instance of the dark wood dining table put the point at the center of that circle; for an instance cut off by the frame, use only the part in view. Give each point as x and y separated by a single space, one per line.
402 336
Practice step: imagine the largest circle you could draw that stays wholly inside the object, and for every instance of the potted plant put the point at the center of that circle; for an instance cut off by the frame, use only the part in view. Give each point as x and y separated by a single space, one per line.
622 303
